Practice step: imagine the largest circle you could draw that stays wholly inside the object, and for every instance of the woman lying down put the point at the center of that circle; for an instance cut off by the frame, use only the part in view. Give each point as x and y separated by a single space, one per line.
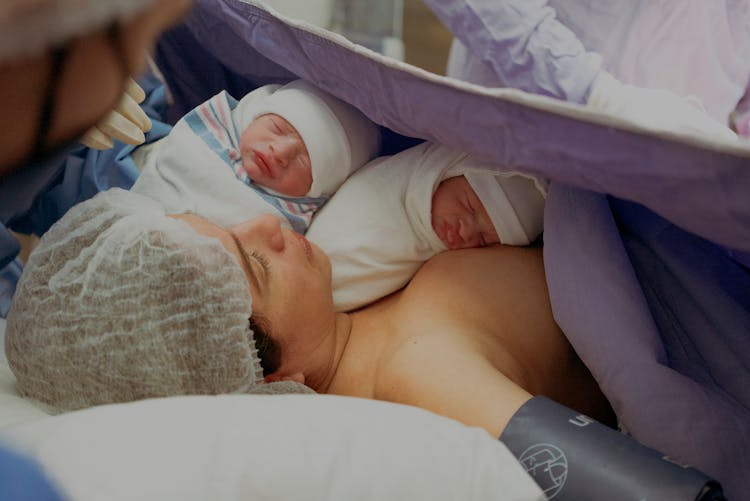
121 301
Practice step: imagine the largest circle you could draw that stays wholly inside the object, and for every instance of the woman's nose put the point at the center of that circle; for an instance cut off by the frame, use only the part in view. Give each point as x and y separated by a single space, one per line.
264 230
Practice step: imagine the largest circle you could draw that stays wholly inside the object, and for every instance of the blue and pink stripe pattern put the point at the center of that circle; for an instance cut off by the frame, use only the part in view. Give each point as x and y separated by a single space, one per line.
212 123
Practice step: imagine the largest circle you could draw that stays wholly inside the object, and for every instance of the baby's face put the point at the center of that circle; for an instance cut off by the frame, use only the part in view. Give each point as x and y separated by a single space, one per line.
274 156
459 218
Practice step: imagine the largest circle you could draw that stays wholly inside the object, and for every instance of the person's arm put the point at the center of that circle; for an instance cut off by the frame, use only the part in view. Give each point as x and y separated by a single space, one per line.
448 378
483 343
547 438
524 44
484 316
482 338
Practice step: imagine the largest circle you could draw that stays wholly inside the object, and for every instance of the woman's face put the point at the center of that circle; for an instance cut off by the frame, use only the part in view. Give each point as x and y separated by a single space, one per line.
275 156
289 277
459 218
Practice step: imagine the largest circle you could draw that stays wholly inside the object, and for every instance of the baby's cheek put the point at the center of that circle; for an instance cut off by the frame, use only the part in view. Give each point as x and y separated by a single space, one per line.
293 184
244 141
305 178
306 170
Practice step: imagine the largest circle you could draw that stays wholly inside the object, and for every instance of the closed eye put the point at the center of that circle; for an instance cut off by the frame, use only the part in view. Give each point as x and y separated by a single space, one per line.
257 257
303 161
263 260
276 127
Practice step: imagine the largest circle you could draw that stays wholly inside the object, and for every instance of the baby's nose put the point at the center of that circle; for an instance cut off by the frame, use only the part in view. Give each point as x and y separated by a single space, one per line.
284 149
469 235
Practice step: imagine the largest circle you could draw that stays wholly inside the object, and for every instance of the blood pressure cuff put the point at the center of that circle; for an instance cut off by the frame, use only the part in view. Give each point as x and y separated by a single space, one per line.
573 458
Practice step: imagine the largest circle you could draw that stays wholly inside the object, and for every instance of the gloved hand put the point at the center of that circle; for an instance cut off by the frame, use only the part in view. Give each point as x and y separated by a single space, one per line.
126 123
655 108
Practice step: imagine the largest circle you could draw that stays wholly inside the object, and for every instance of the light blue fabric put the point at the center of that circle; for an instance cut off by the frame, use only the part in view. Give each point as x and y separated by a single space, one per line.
32 199
18 192
9 246
22 479
9 276
523 44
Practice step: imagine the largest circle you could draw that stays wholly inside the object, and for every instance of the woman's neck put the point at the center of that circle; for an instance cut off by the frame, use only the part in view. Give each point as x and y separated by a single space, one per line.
355 365
320 375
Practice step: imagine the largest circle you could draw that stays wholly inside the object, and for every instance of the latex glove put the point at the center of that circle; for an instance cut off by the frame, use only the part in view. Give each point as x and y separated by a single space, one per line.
655 108
126 123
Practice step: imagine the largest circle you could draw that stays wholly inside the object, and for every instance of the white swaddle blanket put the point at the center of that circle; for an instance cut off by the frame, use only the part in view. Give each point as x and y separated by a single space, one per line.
185 175
199 166
377 228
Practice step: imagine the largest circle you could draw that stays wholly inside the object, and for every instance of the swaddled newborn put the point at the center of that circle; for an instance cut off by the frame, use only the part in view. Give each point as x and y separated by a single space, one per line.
281 150
397 212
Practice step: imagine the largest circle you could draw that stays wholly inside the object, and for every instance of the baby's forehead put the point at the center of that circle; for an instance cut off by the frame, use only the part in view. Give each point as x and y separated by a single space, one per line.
454 185
270 118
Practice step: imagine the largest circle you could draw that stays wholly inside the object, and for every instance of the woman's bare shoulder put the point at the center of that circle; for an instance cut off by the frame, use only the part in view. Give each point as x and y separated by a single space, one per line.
469 273
498 295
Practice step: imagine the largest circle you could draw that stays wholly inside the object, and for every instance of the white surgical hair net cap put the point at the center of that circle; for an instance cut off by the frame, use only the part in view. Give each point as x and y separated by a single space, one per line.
29 27
119 302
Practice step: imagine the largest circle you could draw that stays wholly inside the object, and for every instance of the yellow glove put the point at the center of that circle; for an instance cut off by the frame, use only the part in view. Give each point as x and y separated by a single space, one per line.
126 123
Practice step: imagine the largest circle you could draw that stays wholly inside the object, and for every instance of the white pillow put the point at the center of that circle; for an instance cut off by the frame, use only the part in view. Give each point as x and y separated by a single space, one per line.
316 447
14 408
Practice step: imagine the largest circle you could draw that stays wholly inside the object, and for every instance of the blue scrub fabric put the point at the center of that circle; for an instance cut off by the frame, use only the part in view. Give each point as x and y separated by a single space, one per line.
34 198
22 479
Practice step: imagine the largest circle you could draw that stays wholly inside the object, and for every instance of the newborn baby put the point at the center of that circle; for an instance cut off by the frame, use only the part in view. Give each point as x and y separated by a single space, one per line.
459 217
397 212
474 209
282 150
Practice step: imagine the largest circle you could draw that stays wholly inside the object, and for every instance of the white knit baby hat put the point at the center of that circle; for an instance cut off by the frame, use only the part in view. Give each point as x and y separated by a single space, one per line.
119 302
339 138
514 201
28 27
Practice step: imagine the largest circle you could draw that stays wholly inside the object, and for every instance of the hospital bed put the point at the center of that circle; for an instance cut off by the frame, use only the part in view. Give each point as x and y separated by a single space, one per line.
325 447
